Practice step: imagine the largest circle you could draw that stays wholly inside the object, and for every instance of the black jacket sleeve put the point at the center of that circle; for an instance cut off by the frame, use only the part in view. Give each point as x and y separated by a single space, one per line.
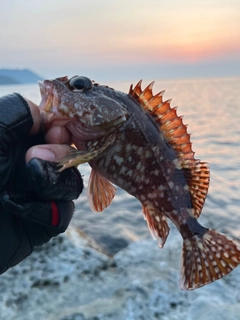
35 199
15 122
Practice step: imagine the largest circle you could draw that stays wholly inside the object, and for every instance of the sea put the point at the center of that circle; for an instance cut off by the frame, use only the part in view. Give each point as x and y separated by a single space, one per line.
211 108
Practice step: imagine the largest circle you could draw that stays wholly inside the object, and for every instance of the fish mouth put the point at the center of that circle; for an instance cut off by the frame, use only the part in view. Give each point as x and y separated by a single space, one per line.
50 102
49 95
52 105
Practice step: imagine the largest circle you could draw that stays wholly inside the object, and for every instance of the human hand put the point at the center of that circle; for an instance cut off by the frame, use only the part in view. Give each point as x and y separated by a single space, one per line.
57 138
35 199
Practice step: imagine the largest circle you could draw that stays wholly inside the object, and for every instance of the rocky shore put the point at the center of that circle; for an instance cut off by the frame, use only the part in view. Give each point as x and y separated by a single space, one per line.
71 278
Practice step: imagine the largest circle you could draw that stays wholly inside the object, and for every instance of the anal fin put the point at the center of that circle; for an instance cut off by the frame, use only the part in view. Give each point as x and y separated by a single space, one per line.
100 192
157 224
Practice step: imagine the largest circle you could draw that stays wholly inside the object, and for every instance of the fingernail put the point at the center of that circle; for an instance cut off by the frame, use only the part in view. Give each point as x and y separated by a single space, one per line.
43 153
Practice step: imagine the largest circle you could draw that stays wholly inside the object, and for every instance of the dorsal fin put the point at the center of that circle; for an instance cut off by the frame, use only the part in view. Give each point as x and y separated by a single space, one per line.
146 97
175 132
197 176
170 124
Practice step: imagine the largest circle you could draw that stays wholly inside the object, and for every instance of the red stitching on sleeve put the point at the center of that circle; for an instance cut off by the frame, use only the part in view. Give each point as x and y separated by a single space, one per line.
55 214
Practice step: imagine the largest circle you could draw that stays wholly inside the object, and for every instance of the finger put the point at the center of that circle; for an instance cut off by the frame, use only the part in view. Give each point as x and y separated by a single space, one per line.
41 119
49 152
57 135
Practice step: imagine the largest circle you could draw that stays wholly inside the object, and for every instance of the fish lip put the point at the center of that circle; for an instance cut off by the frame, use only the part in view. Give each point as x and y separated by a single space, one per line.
49 97
46 96
43 95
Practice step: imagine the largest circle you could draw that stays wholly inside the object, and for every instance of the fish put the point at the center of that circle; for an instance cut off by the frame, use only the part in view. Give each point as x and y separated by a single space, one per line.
137 141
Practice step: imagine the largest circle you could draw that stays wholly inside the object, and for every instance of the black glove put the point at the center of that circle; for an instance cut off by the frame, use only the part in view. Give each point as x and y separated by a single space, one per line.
35 199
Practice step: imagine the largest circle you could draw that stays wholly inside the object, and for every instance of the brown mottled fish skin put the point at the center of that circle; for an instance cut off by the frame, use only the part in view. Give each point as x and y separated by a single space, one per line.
138 142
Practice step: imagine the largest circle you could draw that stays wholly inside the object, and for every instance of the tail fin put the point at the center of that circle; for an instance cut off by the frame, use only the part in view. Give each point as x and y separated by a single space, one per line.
207 258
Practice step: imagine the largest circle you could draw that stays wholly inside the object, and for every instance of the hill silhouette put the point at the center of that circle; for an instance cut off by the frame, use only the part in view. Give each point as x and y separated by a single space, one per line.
18 76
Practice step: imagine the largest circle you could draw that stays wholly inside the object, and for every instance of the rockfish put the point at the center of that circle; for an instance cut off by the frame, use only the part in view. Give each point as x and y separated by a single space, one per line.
139 143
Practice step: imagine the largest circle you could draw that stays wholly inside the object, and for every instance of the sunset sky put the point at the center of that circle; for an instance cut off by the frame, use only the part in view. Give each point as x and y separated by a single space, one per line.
121 39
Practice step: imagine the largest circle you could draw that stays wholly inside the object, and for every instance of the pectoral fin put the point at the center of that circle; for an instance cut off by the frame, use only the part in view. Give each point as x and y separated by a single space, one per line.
100 192
94 148
77 157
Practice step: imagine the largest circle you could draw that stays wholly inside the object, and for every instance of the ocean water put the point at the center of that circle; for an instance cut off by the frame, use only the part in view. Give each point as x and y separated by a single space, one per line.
211 108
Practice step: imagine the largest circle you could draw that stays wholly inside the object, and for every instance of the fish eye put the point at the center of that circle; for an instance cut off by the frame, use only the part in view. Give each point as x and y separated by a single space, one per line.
80 83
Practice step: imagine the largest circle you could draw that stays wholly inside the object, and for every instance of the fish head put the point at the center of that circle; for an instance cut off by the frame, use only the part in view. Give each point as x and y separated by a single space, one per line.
88 110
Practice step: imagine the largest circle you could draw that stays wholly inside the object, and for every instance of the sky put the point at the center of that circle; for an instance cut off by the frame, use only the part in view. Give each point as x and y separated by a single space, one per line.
122 39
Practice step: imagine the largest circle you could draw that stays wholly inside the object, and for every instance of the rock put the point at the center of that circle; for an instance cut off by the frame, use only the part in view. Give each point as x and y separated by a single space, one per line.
75 316
70 278
42 284
213 309
81 239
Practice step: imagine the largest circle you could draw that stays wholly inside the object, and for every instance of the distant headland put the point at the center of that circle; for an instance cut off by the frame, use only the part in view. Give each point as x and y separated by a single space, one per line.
18 76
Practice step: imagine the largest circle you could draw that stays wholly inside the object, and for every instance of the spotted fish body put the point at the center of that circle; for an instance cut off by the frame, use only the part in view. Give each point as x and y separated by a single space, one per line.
137 142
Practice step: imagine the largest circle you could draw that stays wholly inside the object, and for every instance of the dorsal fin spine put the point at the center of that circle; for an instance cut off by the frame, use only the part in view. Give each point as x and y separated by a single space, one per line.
148 88
154 102
130 89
